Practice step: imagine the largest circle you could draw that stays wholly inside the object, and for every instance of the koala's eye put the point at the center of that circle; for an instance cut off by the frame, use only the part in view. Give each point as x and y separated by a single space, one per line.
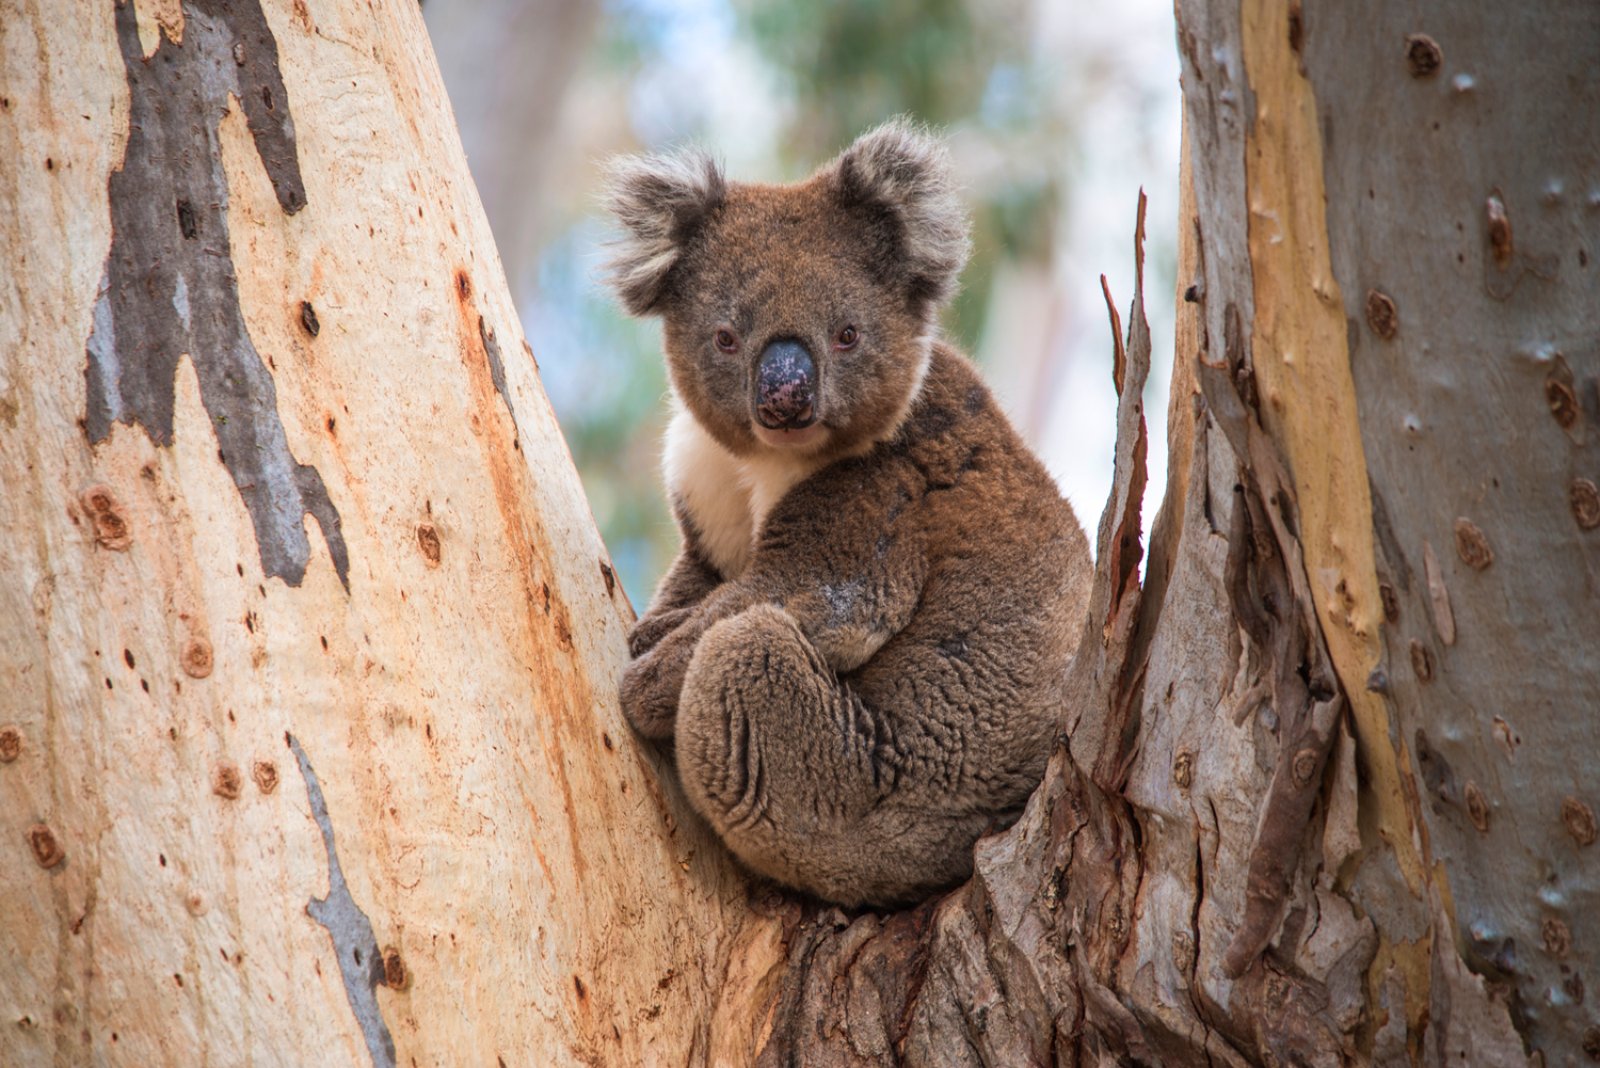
847 339
726 341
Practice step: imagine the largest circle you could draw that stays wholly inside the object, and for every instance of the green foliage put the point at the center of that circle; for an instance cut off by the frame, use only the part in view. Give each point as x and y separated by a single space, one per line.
850 66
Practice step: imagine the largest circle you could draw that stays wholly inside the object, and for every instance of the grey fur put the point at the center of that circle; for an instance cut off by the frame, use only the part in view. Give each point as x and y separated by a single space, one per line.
878 680
901 167
659 200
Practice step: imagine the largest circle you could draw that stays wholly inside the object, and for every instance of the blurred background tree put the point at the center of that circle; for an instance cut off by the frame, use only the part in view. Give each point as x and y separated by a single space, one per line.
1056 110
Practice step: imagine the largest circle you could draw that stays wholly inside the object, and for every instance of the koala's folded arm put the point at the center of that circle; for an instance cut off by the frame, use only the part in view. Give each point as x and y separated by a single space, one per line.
848 615
847 578
686 584
848 619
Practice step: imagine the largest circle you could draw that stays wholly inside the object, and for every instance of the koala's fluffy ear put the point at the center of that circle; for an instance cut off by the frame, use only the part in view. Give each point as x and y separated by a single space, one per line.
661 200
901 170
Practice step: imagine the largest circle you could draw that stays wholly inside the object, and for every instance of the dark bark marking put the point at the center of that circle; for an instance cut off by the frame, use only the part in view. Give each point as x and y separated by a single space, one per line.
1438 777
169 285
10 744
1579 820
1584 498
361 964
1501 243
497 366
1393 556
1297 34
1471 545
46 849
428 543
1421 661
1561 394
1423 55
1382 315
105 514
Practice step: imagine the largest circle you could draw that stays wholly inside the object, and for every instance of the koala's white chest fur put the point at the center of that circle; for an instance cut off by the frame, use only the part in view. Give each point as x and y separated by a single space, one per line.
727 497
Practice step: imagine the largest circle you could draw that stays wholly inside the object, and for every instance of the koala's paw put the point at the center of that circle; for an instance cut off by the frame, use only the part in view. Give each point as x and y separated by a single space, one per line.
649 631
649 700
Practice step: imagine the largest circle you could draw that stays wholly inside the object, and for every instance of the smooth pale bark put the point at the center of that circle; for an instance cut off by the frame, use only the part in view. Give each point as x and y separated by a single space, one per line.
1473 212
309 744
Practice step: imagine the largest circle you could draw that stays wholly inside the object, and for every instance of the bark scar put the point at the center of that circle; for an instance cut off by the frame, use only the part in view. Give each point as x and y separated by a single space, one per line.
354 943
169 286
497 366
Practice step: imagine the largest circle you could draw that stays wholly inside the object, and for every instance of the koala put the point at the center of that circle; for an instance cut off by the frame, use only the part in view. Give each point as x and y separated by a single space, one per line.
859 653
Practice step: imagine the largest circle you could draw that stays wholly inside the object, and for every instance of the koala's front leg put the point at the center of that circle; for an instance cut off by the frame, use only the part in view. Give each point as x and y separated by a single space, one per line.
654 680
784 760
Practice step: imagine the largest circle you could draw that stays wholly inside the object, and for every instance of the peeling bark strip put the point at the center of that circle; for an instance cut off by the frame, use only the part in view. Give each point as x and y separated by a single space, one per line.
1104 684
354 943
169 286
1279 622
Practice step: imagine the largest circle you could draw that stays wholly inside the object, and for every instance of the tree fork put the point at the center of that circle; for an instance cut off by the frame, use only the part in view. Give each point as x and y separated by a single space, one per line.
1380 502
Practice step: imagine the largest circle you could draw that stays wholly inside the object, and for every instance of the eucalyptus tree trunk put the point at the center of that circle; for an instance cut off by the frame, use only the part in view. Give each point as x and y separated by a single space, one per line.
355 790
309 743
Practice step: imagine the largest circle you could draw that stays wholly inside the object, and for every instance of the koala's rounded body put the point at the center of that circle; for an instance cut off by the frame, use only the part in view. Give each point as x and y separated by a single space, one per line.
861 649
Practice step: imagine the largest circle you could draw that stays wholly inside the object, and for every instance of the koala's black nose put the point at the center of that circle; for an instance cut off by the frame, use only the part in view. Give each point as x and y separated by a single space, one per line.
785 386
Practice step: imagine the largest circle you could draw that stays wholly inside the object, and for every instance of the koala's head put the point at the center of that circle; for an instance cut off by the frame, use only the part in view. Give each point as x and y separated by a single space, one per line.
797 317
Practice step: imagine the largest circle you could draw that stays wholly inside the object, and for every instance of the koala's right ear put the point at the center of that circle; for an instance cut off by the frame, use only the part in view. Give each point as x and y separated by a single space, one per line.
901 172
661 200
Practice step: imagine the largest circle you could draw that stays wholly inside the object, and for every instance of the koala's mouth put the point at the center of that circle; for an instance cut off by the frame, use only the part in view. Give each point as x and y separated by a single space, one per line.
803 438
789 406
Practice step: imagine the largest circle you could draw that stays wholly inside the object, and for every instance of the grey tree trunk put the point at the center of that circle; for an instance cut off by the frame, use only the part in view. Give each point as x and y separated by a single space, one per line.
1328 796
